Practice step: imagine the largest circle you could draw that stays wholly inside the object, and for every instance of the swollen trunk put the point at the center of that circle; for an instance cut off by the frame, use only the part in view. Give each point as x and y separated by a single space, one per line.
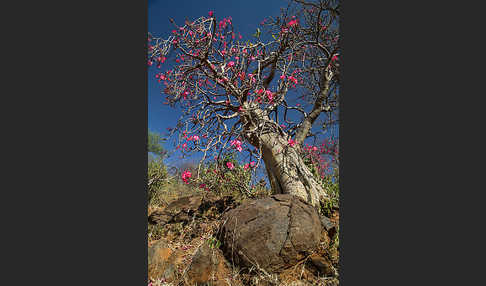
287 172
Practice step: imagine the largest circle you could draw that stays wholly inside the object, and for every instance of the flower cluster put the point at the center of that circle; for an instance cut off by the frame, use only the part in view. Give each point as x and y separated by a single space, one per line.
186 175
237 144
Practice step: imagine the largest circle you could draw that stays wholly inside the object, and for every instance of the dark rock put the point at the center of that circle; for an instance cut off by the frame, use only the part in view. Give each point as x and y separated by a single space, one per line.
159 261
272 233
329 226
327 223
323 266
185 208
208 267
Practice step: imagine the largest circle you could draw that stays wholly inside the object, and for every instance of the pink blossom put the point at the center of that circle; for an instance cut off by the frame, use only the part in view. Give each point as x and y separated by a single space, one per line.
186 175
210 13
231 64
230 165
196 138
237 144
282 77
293 79
269 95
247 166
252 163
292 23
291 142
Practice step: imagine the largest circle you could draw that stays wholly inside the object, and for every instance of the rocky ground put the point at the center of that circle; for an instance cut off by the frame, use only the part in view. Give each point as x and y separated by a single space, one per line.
214 240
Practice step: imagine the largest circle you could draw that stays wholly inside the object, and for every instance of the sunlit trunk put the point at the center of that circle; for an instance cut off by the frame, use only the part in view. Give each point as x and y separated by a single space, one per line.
287 172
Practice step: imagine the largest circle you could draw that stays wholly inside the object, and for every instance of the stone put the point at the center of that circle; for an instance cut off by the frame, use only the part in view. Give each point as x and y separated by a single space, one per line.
208 266
273 233
159 261
323 266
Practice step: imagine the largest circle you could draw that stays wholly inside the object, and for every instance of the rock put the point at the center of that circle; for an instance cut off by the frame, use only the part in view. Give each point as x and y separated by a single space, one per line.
327 223
159 261
323 266
329 226
185 208
177 211
208 266
299 283
272 233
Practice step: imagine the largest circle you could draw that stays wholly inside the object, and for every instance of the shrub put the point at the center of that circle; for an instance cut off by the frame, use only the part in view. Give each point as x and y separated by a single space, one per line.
157 178
323 161
225 177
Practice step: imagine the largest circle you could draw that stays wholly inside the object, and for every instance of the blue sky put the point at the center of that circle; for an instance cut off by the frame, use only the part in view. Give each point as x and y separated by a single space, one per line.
246 16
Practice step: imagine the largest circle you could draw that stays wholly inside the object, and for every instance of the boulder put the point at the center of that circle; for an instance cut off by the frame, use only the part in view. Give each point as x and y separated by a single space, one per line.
208 267
322 265
185 208
272 234
160 264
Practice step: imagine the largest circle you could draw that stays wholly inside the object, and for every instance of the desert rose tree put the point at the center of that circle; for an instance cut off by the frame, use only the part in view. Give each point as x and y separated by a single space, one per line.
260 97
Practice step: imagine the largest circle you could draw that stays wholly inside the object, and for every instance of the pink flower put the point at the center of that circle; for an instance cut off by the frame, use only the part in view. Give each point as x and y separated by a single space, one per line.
202 186
282 77
210 13
186 175
334 58
269 95
292 23
252 163
293 79
237 144
230 165
196 138
231 64
291 142
247 166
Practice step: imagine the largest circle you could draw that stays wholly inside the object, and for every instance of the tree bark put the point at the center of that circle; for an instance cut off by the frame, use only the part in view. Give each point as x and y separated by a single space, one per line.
287 172
285 167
